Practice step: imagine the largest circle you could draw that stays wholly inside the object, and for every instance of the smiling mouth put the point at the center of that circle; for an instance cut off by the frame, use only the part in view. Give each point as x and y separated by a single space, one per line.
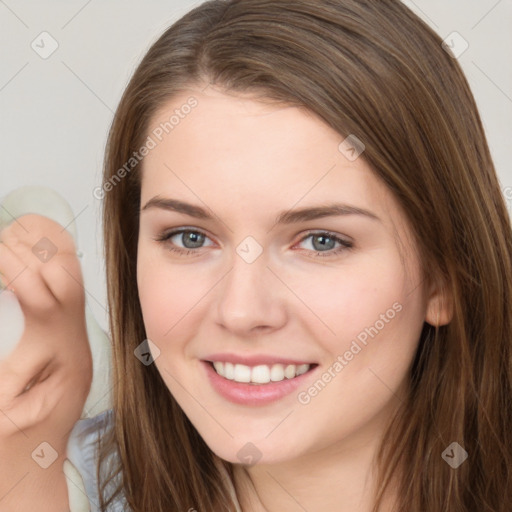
260 374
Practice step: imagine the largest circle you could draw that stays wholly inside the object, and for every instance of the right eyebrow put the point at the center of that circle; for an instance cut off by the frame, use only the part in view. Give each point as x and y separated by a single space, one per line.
174 205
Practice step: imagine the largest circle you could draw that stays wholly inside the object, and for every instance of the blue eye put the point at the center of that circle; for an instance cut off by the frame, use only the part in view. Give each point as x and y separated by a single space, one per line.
191 239
327 243
185 239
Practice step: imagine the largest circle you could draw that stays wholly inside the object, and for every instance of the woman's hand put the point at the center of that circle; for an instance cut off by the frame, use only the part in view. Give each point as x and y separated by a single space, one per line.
45 379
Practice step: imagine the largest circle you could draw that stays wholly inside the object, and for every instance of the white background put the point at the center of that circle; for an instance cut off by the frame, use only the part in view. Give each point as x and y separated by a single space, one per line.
55 112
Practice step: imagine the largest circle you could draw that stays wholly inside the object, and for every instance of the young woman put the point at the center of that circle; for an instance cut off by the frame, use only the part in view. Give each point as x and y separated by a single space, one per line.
302 192
309 270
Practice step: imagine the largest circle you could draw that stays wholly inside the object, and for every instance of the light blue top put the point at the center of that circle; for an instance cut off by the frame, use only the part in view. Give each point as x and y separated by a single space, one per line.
83 454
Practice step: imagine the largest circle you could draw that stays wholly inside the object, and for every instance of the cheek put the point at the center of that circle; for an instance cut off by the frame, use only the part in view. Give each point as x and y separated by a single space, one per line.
370 300
169 294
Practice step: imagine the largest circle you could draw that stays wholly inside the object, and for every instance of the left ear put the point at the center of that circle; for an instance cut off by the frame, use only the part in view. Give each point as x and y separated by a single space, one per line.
439 304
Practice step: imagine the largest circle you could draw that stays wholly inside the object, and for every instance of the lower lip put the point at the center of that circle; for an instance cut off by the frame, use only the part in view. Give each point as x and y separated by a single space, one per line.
253 394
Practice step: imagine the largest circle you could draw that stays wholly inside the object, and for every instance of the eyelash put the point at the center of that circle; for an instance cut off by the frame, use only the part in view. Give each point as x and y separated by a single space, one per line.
344 244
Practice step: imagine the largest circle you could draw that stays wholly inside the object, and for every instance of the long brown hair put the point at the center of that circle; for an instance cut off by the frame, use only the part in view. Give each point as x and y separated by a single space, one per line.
373 69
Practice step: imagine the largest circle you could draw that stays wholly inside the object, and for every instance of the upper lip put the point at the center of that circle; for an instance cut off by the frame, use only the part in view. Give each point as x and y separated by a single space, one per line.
254 360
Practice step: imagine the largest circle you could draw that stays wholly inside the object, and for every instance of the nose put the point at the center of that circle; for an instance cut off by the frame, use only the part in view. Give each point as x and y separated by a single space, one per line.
251 300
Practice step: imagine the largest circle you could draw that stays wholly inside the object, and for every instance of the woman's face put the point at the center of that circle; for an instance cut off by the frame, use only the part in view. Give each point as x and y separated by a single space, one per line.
266 249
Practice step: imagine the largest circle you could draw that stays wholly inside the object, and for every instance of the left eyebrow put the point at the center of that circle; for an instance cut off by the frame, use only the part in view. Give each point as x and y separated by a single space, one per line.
319 212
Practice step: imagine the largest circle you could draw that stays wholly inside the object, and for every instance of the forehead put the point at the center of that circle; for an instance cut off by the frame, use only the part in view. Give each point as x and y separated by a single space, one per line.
270 155
234 126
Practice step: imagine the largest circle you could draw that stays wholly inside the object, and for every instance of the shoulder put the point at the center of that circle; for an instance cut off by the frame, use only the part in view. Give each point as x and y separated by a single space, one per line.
82 452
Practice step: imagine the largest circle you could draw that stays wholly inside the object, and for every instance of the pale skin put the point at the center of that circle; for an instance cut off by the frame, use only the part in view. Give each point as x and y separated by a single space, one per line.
45 380
246 162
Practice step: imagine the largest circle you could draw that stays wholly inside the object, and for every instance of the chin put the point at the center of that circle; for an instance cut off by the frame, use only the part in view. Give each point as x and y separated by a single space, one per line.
250 454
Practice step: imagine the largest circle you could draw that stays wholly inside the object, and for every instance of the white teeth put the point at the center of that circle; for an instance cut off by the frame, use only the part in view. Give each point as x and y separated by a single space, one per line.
229 371
242 373
303 368
277 372
289 371
261 374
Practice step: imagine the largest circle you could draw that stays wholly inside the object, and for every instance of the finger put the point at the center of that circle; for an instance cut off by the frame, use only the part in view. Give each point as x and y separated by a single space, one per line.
42 236
28 285
28 402
49 249
63 277
26 365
